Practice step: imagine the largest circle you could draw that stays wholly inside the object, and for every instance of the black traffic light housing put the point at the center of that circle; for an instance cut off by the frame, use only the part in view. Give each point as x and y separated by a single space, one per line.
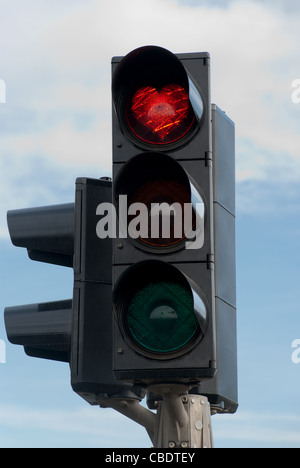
46 232
178 169
199 166
43 329
91 353
48 235
79 330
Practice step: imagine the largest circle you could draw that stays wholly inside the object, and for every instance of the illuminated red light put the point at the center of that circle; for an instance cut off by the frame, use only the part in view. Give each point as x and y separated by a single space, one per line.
160 117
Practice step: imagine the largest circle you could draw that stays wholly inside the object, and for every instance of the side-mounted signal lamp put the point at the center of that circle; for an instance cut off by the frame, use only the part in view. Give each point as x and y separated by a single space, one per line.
77 331
43 329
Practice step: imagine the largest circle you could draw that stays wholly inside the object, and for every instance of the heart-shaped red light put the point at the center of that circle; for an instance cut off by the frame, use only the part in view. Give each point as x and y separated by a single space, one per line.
160 117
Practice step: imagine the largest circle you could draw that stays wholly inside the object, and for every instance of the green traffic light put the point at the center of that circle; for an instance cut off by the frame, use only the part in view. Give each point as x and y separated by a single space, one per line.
161 317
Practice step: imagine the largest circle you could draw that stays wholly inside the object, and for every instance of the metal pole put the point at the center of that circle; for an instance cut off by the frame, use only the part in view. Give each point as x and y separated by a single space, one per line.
182 420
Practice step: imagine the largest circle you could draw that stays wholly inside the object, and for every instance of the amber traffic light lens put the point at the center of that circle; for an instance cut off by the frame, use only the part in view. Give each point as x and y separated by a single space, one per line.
165 200
161 211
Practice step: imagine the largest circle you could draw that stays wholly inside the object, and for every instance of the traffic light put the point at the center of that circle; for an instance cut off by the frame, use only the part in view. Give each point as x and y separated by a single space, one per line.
48 235
174 255
154 280
163 283
79 330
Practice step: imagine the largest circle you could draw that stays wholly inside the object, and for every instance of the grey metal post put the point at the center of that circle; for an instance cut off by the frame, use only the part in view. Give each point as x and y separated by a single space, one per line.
182 420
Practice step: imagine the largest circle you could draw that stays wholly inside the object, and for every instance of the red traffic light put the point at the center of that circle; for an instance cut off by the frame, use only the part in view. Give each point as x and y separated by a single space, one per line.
160 116
157 103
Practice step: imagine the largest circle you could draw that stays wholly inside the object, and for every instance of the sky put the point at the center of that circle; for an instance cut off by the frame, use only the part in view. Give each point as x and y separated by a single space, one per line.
55 125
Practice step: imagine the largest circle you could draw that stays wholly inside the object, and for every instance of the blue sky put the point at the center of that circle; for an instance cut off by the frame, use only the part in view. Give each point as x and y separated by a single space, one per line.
55 126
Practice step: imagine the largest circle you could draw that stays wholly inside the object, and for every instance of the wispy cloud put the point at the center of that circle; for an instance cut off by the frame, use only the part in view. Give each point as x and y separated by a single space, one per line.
258 429
57 71
108 428
103 428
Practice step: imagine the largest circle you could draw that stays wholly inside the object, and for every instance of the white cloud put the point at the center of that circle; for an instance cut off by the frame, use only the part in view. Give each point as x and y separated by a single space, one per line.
258 429
91 425
63 144
108 428
58 73
244 40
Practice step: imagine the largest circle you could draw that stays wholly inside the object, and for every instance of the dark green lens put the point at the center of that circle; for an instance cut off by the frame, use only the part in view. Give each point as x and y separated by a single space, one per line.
161 317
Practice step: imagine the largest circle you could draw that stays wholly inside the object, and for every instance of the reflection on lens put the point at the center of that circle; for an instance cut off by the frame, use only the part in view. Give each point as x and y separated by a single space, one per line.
161 318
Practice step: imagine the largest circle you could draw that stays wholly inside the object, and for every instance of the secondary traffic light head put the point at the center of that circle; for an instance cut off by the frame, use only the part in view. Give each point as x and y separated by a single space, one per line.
48 235
77 331
46 232
43 329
